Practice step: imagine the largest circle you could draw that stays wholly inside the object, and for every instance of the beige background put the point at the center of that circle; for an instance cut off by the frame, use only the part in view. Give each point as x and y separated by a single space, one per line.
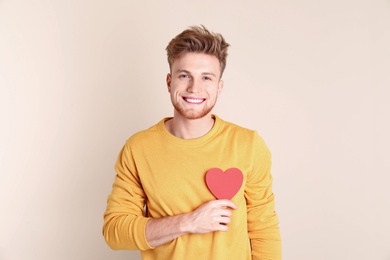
78 78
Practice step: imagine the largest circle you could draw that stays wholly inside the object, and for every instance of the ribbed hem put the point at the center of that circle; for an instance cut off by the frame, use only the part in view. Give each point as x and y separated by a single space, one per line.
142 243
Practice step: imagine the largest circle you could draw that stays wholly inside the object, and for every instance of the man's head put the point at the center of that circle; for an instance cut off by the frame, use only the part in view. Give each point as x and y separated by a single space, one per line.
199 40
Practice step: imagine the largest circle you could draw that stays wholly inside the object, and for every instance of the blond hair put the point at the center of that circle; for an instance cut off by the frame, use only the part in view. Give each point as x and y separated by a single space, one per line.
198 39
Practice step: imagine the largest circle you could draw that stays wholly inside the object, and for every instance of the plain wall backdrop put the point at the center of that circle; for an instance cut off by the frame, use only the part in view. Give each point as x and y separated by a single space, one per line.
77 78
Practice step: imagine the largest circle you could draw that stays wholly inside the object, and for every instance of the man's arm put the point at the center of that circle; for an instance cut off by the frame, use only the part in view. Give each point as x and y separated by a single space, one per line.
211 216
263 222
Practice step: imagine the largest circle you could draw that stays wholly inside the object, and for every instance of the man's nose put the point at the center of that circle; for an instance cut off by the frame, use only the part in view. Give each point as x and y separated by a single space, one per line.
193 86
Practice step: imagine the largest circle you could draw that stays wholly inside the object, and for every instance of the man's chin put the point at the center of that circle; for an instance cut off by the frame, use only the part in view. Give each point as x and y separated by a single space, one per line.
192 115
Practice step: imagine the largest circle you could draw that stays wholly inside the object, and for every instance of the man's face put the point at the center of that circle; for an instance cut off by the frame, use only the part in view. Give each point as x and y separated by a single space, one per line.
194 84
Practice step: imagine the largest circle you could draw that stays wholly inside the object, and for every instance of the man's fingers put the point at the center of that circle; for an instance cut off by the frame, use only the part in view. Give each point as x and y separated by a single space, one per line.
225 203
224 212
223 220
223 227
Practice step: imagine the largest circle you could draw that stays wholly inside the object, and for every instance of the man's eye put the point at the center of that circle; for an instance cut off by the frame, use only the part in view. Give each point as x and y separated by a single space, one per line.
207 78
183 76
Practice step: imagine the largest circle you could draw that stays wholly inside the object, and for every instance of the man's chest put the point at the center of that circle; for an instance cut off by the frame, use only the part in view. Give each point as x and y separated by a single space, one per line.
174 181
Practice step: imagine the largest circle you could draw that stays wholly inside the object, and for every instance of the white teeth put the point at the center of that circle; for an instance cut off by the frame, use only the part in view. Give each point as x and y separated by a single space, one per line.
192 100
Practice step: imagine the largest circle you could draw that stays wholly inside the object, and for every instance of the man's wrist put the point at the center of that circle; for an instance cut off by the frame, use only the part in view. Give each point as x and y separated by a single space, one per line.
184 223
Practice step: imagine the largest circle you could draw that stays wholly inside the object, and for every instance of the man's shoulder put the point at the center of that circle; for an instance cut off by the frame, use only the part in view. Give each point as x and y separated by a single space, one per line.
236 128
145 135
241 132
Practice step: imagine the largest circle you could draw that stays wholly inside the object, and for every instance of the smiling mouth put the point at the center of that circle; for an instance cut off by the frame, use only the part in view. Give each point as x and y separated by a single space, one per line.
194 100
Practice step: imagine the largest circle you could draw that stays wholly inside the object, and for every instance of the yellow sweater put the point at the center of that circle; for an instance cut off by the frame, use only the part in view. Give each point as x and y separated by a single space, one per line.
167 174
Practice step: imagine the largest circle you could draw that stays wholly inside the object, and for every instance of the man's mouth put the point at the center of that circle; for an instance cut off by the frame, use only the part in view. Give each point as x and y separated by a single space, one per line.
194 100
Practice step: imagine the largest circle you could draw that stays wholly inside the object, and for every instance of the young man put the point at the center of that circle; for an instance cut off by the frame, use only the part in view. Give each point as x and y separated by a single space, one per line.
160 202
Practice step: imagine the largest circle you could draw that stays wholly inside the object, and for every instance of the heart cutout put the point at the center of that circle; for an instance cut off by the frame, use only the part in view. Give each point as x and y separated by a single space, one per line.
224 185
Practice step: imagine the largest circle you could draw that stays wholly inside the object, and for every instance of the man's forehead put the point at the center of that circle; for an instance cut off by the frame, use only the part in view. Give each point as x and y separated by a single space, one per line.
198 63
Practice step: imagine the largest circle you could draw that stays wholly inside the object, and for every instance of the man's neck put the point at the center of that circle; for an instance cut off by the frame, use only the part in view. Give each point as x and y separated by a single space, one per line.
189 128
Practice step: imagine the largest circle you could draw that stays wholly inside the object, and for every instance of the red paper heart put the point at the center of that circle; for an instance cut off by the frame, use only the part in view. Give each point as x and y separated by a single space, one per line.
224 185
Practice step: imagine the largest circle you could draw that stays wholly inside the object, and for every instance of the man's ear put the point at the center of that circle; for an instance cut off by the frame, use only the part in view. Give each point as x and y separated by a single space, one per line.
168 80
220 87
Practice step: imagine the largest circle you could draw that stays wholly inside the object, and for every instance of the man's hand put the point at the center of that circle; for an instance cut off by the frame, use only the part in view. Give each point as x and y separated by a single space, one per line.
210 216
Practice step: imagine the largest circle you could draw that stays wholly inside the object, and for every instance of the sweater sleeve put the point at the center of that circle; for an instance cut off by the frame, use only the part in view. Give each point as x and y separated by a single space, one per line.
124 221
262 220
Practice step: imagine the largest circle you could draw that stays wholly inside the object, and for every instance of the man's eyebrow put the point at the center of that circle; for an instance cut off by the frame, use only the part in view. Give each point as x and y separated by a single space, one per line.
185 71
188 72
209 73
203 73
